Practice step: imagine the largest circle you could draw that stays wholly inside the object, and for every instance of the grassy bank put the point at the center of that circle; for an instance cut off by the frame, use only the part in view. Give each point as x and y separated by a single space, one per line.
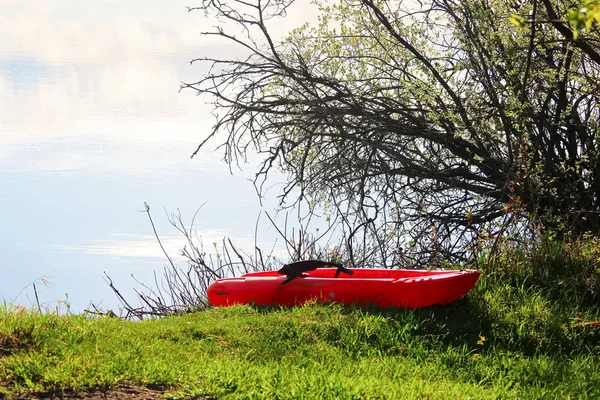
510 337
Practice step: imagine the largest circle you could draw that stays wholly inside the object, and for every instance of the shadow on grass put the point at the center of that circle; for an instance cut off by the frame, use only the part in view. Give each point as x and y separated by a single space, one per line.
517 321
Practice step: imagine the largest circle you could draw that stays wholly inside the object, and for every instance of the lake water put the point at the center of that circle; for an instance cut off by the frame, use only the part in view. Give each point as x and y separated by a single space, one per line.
92 126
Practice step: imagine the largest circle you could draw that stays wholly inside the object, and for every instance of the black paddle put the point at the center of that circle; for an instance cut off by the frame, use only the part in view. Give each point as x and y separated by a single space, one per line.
296 269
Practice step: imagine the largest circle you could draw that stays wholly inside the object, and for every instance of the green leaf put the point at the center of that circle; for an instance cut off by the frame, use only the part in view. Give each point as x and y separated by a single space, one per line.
574 16
517 20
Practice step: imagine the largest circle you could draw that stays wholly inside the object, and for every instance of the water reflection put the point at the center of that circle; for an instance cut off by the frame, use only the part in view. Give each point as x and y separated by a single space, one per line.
92 125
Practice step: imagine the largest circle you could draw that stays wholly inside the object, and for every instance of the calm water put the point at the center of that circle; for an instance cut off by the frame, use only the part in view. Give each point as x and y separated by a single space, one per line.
91 127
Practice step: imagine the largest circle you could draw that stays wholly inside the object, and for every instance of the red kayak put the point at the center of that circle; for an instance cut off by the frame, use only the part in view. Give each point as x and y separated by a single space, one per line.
360 286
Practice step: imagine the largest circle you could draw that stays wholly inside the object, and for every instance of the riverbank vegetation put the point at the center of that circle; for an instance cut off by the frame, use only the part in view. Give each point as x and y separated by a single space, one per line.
529 329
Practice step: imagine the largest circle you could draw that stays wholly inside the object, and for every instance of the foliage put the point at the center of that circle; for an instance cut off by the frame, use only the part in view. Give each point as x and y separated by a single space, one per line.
417 124
584 17
579 18
565 272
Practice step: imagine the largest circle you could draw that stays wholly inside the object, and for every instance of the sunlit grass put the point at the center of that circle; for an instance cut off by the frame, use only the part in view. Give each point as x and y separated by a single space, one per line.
511 337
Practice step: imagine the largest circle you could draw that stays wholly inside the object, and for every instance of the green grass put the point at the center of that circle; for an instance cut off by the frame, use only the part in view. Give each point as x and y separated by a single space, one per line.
509 338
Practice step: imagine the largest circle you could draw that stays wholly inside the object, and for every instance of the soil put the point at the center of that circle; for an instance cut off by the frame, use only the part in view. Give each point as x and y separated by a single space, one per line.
125 392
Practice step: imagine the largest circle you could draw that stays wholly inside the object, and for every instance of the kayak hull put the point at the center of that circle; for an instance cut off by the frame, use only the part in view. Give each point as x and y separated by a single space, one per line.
378 287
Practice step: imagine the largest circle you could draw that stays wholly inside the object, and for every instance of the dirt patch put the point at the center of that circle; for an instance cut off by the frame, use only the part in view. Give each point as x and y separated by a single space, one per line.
8 344
15 341
125 392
